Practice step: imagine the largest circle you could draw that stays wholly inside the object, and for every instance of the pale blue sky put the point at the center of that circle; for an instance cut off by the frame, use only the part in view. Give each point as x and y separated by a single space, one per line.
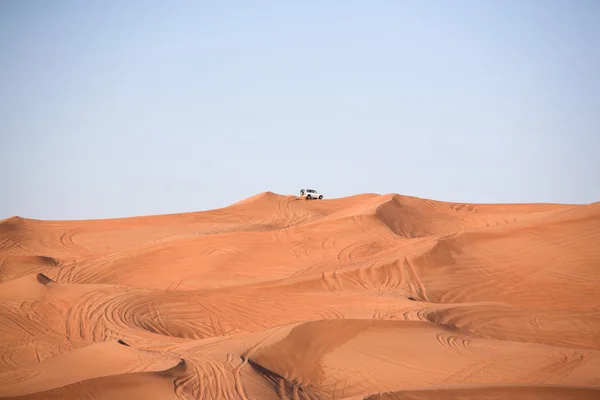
111 109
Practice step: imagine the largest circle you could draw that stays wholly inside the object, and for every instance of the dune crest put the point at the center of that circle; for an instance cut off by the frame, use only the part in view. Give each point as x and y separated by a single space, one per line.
93 361
263 197
275 297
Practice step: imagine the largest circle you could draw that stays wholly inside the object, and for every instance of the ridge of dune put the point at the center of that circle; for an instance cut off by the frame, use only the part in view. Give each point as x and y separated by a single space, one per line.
126 386
277 297
30 285
415 217
41 285
15 219
314 355
387 209
11 224
96 360
14 266
266 196
492 392
7 220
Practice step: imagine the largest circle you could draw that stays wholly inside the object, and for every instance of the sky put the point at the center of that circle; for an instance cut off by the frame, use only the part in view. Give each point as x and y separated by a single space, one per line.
112 109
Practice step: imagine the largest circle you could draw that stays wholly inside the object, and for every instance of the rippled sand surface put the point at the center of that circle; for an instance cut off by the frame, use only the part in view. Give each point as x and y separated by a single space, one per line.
366 297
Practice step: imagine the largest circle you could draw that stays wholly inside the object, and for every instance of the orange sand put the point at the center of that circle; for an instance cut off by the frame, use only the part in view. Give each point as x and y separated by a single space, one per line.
365 297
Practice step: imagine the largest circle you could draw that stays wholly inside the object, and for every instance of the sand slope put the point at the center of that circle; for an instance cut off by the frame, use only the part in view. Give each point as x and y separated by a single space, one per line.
274 297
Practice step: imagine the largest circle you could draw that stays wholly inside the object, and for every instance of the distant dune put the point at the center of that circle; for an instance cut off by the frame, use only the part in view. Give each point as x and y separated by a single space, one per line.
374 297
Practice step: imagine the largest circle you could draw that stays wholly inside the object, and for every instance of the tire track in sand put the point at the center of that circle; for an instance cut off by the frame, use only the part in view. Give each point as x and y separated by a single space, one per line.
66 239
417 279
239 385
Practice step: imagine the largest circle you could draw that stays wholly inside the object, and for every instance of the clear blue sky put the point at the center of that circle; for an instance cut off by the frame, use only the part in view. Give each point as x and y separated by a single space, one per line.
111 109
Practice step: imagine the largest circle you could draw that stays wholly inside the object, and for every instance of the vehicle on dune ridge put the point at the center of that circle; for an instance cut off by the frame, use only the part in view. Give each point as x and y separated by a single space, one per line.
310 194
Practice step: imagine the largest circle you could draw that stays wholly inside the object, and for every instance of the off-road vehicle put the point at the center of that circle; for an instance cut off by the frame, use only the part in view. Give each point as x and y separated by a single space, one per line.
310 194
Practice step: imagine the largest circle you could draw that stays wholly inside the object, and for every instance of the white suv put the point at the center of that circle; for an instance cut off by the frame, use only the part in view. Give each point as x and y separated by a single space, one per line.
310 194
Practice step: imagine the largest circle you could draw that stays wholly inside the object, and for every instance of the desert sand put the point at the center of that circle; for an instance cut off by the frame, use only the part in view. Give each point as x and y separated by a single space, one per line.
365 297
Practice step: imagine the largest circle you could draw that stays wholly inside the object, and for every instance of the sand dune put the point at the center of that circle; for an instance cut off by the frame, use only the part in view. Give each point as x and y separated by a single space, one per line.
364 297
96 360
